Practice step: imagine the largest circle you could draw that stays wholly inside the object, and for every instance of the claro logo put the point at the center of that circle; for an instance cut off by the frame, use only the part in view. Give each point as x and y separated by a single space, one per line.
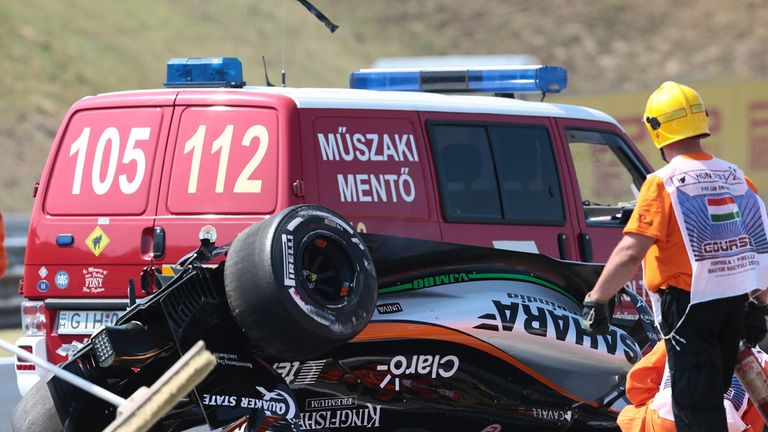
427 365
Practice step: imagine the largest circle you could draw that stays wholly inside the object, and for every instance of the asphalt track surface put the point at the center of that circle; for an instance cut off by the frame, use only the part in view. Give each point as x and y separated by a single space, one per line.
9 393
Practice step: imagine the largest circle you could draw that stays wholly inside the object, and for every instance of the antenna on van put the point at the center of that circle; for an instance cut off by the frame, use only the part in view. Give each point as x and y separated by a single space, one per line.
282 70
266 75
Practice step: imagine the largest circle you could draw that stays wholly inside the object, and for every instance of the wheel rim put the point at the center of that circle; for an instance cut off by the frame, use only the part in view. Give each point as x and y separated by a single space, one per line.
327 270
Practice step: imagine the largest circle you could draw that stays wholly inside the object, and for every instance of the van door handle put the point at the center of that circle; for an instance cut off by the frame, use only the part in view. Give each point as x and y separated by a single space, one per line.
63 240
562 246
585 247
158 242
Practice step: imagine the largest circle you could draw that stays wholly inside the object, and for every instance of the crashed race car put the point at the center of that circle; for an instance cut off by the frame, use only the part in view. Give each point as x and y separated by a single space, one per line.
316 327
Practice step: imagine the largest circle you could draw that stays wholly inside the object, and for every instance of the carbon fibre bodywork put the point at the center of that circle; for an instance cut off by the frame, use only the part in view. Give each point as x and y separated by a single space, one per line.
463 338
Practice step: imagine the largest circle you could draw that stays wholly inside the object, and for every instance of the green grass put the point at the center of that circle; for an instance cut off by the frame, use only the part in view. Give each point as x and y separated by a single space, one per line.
55 52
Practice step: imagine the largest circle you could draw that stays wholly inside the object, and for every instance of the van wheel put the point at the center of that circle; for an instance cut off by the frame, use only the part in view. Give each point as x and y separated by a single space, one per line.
36 412
300 283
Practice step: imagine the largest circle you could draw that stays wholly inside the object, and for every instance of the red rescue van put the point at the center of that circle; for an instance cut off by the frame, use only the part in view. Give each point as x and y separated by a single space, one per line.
135 178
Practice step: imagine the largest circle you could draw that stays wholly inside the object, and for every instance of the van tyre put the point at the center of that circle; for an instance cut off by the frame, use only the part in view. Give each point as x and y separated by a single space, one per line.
36 411
300 283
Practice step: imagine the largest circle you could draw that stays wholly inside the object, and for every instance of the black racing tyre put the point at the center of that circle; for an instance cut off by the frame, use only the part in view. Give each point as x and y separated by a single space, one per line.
36 412
300 282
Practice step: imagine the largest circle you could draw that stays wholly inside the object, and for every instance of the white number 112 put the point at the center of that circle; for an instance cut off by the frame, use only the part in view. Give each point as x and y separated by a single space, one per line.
222 144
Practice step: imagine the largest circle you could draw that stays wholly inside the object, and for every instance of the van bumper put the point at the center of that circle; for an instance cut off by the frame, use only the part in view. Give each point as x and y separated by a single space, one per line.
27 374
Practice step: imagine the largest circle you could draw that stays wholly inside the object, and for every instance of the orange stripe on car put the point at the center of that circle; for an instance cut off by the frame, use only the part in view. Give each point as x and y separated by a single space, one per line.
407 330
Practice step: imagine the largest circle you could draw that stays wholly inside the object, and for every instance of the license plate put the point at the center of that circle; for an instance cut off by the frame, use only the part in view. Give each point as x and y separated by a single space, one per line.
81 322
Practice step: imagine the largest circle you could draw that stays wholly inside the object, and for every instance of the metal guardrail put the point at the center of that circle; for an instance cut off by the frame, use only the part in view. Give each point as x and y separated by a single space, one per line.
16 227
15 248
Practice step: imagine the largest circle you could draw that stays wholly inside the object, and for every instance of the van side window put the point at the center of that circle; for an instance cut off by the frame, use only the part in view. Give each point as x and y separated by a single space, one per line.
530 187
609 177
468 188
497 174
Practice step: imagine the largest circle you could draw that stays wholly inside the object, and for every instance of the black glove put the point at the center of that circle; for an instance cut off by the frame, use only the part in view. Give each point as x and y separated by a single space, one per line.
597 316
754 323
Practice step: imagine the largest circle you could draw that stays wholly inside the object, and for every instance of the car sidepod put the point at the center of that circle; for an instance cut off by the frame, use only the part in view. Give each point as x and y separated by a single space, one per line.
472 337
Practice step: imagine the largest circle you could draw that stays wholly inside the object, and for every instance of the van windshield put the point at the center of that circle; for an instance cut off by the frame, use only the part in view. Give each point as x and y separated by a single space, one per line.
609 177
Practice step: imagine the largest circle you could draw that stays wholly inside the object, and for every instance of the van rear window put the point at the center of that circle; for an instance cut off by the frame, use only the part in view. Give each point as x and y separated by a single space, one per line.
104 162
224 161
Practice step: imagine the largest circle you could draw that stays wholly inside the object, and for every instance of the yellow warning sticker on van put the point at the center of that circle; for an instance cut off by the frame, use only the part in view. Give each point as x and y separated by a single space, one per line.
97 241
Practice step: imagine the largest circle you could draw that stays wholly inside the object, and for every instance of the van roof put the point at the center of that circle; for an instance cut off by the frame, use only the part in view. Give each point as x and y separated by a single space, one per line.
341 98
398 100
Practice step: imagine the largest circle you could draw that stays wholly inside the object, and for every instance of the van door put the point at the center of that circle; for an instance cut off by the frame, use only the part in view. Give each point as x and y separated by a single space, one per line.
609 171
501 183
227 166
91 227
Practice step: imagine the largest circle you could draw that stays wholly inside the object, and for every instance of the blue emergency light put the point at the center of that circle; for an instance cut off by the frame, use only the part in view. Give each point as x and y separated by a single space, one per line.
204 72
510 79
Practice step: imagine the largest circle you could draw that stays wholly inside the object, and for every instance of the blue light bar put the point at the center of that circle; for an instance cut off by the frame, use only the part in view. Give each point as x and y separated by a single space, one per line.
513 79
204 72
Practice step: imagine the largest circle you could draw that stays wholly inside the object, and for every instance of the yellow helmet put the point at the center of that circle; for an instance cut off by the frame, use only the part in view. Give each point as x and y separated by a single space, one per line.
674 112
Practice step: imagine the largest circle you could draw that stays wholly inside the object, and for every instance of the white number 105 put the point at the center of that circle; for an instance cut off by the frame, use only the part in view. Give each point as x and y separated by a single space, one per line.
132 154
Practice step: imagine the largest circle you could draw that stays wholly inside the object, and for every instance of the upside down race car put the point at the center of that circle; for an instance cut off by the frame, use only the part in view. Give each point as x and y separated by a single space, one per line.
318 328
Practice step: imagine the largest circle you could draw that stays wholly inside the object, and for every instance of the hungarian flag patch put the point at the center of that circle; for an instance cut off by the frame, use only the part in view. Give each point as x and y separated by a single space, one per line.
723 209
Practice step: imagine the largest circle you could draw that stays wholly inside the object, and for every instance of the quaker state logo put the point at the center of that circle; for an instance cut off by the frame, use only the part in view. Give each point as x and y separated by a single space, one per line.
97 241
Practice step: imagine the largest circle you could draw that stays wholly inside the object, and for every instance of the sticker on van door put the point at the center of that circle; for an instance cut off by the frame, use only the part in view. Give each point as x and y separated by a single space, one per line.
97 240
370 166
374 147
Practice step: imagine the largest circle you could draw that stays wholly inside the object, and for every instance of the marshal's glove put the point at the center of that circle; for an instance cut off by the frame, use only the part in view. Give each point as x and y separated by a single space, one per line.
597 316
754 323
